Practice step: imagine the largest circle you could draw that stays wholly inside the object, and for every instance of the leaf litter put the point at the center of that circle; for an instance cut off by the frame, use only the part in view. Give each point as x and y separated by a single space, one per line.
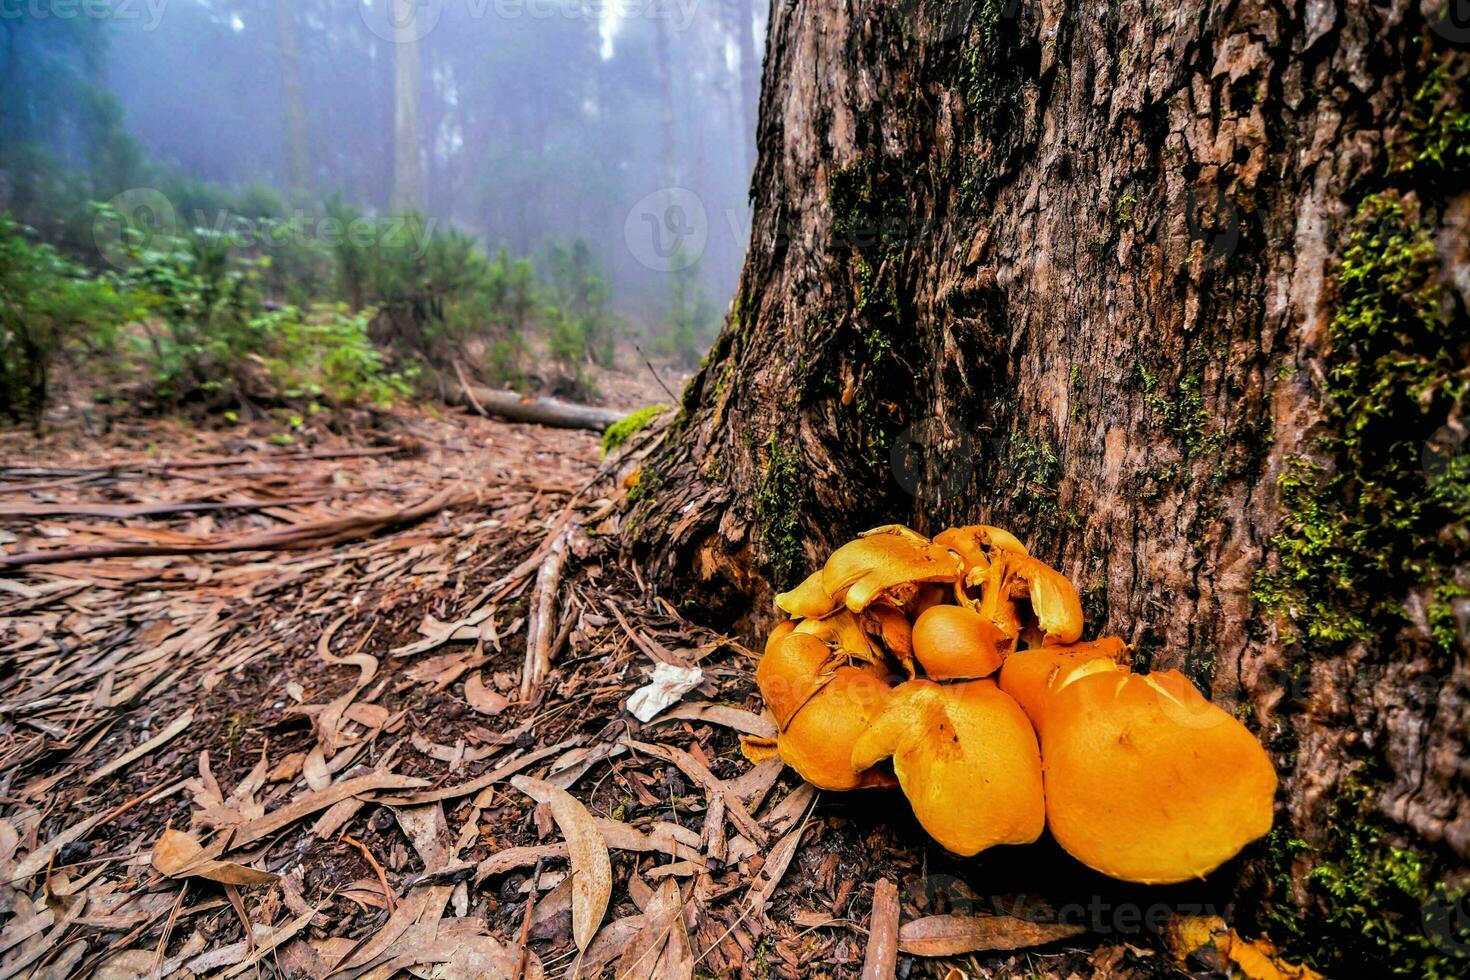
301 710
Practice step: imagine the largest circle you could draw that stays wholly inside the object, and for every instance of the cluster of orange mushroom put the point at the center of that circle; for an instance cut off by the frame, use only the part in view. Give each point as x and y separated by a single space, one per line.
958 659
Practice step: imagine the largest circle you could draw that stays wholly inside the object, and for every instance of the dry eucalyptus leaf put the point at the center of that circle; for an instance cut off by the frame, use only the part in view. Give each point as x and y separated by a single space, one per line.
591 867
481 698
177 855
949 935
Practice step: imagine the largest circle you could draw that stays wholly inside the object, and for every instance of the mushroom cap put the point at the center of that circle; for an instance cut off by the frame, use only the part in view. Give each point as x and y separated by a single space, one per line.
1026 599
818 741
808 600
974 543
1028 675
967 760
956 643
792 672
780 632
1148 781
881 562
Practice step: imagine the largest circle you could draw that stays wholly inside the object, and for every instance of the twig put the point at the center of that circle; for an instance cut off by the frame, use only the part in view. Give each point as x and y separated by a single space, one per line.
543 612
672 397
377 869
882 955
526 923
465 385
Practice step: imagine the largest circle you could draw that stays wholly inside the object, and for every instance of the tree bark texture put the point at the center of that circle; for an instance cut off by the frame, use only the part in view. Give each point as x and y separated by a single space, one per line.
1178 294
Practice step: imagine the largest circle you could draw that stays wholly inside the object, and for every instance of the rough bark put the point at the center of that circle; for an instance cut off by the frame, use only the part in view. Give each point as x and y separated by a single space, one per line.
1091 275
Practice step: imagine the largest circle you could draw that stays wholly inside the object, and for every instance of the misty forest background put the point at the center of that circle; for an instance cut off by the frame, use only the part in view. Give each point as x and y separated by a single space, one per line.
243 204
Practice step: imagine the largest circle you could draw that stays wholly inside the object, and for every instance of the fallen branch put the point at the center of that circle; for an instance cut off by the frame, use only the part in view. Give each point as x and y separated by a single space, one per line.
316 534
197 464
163 508
541 628
516 407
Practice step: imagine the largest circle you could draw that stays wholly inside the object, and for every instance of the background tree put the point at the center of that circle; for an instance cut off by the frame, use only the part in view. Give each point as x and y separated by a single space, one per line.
1179 296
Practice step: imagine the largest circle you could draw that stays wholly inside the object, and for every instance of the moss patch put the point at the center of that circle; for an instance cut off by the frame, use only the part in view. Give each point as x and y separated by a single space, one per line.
1388 515
1378 902
621 430
778 508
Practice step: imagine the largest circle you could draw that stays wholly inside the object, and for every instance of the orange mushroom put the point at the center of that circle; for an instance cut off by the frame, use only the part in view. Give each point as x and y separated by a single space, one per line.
974 543
818 742
1148 781
1028 674
956 643
792 672
886 563
808 600
966 758
1026 599
821 705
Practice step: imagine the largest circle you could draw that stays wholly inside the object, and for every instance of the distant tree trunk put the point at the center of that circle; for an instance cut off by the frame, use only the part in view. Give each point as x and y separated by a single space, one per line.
408 178
293 101
1176 293
750 72
668 170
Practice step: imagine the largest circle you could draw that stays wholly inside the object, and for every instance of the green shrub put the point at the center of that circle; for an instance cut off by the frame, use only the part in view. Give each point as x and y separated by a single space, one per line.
47 306
581 325
205 306
324 353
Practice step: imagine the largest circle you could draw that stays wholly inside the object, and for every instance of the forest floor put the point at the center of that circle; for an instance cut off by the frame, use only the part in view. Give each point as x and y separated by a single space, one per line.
260 713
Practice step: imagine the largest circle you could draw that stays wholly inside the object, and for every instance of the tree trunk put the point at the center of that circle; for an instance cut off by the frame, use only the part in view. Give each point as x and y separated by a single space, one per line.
408 178
1177 294
743 22
293 101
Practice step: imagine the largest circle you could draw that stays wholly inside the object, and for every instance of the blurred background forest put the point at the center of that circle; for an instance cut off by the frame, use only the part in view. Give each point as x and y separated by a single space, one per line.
244 203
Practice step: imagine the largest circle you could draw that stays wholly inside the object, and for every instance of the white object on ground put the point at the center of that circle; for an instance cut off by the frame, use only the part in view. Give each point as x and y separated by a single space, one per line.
669 684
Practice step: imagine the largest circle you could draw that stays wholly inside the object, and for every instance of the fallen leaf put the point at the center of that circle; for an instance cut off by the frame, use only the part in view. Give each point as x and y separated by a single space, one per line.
312 802
949 935
591 867
177 855
481 698
137 752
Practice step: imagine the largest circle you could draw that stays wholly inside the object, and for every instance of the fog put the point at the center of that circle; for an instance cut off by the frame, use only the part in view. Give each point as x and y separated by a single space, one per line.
629 123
